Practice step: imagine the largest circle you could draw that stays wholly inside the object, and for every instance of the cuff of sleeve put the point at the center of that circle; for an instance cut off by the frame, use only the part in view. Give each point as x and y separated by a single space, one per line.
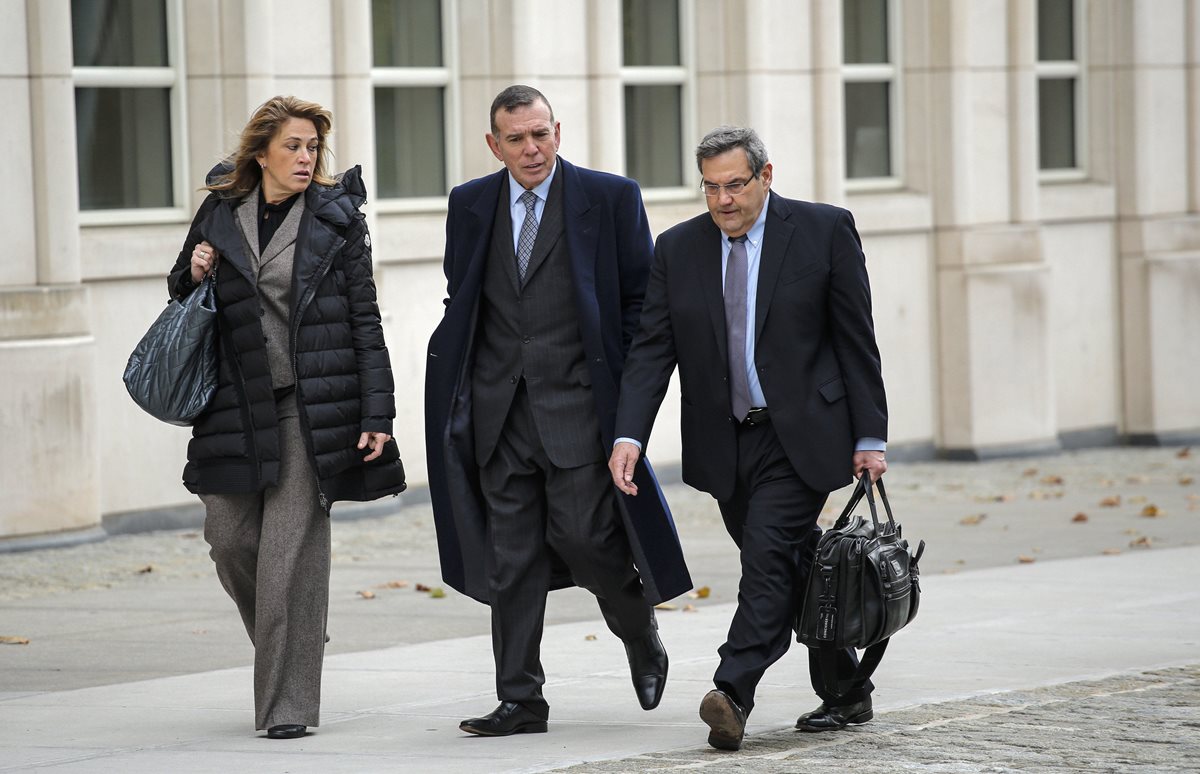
870 444
376 425
628 440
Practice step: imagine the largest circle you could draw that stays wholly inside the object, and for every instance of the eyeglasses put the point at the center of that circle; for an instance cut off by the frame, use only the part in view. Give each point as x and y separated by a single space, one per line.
733 189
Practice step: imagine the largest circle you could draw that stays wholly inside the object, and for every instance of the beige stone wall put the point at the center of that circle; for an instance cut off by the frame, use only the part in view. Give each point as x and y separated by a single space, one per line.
1014 312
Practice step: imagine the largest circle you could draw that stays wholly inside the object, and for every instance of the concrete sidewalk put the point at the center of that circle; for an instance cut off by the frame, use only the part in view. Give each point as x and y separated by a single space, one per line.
1008 629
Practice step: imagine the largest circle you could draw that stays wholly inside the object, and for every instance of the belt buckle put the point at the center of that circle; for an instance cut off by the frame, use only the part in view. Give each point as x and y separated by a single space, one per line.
755 416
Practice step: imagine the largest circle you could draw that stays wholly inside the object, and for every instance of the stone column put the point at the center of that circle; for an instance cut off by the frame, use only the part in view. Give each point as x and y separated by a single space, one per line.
1156 52
49 445
996 372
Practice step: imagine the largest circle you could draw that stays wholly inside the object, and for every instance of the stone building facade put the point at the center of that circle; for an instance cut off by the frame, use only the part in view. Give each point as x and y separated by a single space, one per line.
1025 175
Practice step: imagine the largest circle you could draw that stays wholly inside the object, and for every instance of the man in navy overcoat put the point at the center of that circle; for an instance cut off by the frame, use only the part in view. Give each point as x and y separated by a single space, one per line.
546 264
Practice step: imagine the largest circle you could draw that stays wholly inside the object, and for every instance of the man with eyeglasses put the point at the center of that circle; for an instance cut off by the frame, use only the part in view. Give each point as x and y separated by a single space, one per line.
765 306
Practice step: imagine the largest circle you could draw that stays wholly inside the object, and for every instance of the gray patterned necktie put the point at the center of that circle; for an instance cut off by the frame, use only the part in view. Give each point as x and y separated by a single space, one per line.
735 327
528 233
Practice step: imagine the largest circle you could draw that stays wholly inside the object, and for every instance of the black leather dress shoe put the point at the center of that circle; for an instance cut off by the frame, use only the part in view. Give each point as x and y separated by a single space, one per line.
832 718
287 731
648 668
508 718
725 718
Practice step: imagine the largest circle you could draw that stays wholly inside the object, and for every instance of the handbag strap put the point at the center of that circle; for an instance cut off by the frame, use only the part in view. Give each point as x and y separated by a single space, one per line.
827 662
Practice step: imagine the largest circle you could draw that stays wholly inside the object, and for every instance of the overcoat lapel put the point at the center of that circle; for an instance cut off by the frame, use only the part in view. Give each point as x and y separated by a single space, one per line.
777 236
581 224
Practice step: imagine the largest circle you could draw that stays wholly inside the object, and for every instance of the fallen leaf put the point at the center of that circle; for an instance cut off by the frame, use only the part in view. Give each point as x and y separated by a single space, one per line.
1030 472
422 587
10 640
1026 559
1153 511
437 593
199 631
367 594
961 561
590 638
1004 498
666 606
147 569
394 585
1037 550
1186 480
1139 479
1080 517
1111 551
1137 499
701 593
1131 531
972 520
1144 541
190 535
1184 453
1053 480
689 608
1112 501
1194 497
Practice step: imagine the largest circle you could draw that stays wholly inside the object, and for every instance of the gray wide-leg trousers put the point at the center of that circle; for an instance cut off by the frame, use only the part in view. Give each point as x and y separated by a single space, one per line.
271 551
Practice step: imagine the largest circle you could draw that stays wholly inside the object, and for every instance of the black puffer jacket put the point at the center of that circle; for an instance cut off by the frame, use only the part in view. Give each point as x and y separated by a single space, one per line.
344 381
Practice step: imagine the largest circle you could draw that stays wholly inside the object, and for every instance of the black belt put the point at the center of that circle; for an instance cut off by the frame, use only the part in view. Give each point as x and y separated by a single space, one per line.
757 416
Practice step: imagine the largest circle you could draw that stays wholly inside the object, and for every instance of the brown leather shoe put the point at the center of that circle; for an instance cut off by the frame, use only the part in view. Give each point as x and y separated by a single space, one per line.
833 718
508 718
725 718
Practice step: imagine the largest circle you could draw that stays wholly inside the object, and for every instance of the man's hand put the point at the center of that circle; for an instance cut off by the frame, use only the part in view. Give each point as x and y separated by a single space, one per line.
621 463
869 460
375 441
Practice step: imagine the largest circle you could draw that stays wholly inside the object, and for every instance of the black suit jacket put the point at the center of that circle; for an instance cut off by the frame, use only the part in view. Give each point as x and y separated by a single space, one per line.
815 346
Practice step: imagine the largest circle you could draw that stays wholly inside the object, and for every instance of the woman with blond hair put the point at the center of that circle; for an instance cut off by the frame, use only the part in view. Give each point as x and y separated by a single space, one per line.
303 411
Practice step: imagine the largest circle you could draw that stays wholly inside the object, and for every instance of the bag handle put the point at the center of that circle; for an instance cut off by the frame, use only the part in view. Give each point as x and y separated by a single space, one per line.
864 488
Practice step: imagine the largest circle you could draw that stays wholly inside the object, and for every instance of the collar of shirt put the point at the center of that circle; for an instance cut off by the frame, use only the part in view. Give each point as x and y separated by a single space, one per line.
542 189
755 234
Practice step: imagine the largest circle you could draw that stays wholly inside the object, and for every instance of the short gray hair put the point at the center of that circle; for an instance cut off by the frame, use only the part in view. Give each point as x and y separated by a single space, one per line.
517 96
726 138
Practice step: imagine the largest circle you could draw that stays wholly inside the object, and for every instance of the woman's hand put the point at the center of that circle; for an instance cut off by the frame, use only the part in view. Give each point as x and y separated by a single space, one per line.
204 259
375 441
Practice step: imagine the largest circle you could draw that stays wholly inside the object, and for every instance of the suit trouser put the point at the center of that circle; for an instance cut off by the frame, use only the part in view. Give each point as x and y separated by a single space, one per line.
772 516
535 508
271 550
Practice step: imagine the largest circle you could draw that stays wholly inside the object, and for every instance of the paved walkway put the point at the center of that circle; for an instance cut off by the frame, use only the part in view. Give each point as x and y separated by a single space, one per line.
963 689
1058 632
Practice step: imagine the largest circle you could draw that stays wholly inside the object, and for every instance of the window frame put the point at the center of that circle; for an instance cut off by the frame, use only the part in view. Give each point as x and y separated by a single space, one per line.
890 74
173 77
445 77
684 76
1061 70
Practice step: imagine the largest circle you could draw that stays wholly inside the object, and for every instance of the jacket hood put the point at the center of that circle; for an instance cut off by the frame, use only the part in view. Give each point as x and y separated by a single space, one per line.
336 203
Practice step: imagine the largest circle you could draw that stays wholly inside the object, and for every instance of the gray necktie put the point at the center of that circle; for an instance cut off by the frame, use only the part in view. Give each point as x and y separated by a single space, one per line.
735 327
528 233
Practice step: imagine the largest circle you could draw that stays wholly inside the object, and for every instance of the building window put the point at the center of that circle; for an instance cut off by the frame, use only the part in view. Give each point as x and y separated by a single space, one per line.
654 78
1058 74
411 98
870 83
128 103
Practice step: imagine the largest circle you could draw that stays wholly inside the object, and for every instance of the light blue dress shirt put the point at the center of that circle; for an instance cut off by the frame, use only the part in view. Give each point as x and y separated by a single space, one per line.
517 208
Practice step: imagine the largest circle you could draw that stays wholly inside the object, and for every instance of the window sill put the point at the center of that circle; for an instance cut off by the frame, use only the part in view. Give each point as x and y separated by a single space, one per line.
416 205
890 210
1073 199
134 217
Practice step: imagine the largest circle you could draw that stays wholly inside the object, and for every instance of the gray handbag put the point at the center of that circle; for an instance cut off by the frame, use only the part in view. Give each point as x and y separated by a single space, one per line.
172 373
